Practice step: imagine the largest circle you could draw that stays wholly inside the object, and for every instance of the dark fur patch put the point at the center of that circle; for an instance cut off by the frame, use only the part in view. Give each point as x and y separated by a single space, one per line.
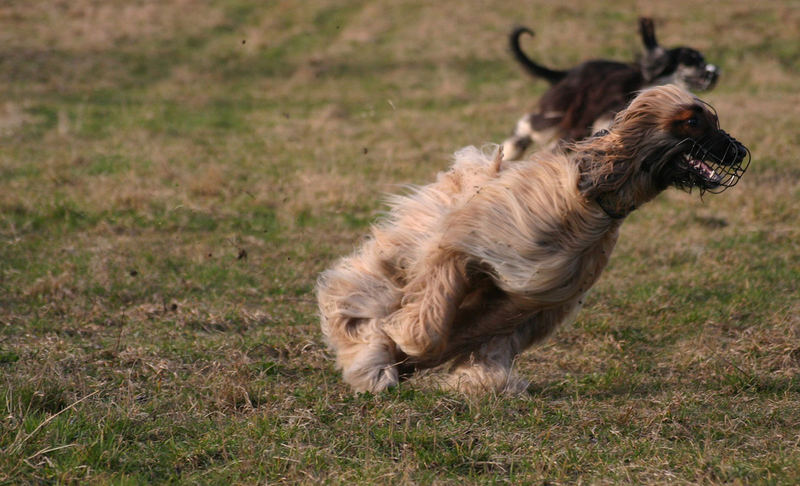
590 91
692 122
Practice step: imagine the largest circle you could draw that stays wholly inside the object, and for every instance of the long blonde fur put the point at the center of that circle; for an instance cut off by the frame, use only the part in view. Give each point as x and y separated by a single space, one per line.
474 268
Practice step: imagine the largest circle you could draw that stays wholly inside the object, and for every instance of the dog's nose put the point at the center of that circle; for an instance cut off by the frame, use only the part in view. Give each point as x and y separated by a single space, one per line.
742 153
739 151
710 75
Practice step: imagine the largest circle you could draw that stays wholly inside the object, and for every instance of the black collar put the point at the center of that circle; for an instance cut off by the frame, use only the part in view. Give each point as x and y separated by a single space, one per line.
611 209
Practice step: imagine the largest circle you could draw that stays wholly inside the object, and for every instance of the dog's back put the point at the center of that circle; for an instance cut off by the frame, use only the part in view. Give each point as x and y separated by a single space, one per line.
594 90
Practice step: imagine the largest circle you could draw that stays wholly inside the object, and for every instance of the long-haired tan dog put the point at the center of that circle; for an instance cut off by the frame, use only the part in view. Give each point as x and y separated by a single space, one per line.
474 268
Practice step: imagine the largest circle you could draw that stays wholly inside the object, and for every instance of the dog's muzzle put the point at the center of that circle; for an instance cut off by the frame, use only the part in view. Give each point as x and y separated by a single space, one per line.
721 162
710 76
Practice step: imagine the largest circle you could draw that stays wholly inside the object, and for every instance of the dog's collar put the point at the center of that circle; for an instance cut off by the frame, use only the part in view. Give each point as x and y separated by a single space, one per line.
611 209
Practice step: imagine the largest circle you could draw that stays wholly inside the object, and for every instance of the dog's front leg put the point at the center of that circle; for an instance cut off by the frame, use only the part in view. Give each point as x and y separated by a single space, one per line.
421 327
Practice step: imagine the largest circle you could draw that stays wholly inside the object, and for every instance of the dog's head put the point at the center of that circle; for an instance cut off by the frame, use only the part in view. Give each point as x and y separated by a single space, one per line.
666 137
683 66
676 139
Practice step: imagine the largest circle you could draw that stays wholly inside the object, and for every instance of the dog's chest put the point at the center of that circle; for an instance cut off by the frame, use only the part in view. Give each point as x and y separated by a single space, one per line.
566 273
593 262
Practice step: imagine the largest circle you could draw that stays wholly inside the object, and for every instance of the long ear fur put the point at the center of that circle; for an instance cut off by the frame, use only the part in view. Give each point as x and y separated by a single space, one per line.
601 173
607 162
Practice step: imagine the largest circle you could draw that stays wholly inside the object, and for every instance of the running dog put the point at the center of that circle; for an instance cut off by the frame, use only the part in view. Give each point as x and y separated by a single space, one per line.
471 270
584 99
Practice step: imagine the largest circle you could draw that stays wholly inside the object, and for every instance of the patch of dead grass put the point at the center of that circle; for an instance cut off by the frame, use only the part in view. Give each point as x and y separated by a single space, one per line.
92 25
208 182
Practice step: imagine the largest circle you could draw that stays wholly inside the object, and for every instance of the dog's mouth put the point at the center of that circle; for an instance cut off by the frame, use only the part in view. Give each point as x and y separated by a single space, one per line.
716 166
702 169
701 78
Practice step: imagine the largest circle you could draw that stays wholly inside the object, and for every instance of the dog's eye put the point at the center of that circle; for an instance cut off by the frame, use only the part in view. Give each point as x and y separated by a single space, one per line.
692 122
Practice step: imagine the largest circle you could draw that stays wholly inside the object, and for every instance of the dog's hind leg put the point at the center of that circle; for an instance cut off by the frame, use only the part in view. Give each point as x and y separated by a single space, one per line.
422 325
355 297
515 145
489 366
539 128
487 369
370 366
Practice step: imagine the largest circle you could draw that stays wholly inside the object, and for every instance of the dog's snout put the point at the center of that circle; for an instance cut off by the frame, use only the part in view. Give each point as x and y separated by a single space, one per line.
711 73
709 76
740 151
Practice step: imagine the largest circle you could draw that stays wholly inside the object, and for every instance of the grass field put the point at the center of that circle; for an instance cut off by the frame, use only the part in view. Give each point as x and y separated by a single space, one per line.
174 175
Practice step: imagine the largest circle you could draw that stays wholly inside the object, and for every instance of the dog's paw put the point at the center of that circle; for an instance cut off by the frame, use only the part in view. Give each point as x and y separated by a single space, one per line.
478 378
386 377
516 385
372 368
372 380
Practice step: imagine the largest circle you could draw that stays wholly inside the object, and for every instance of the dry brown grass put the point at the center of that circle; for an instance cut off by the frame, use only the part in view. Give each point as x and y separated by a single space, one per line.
93 25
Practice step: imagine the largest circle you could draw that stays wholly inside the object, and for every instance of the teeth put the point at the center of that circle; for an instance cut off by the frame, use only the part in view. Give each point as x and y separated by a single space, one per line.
700 167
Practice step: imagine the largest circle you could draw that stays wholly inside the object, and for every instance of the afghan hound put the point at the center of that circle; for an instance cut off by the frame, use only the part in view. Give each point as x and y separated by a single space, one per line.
584 99
467 272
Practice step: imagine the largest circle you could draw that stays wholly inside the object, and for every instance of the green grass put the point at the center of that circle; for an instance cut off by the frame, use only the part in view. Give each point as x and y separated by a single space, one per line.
174 177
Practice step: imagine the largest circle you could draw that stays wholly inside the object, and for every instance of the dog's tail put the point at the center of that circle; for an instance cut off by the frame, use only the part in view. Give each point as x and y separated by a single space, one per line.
537 70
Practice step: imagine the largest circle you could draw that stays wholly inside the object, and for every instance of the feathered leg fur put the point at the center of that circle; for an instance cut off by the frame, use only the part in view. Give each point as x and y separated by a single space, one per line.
489 368
421 327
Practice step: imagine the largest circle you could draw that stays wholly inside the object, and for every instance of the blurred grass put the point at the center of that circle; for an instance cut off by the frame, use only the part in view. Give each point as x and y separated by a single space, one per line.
173 176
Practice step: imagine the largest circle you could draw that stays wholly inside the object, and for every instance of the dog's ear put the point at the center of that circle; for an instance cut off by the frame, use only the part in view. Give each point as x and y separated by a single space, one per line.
601 174
655 60
605 177
648 31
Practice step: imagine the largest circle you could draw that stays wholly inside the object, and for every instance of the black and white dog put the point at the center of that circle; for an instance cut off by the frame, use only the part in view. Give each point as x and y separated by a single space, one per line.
584 99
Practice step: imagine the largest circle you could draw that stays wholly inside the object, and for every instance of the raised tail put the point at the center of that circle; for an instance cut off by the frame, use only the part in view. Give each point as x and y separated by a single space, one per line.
550 75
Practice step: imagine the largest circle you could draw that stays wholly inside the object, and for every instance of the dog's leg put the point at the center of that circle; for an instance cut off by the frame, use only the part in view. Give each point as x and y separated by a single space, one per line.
487 369
355 298
370 366
490 366
515 145
539 128
431 299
